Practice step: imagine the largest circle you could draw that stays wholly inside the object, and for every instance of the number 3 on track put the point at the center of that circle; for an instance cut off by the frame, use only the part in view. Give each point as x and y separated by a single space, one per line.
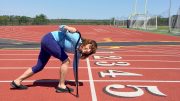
110 64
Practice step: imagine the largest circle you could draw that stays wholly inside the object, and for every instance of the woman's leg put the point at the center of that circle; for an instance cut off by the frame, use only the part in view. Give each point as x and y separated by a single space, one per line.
59 53
55 50
63 72
28 73
42 61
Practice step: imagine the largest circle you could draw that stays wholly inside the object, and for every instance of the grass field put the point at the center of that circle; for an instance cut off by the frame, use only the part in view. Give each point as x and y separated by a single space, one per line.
161 30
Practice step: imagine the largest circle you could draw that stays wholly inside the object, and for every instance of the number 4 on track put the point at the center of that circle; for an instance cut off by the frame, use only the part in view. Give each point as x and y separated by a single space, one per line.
114 73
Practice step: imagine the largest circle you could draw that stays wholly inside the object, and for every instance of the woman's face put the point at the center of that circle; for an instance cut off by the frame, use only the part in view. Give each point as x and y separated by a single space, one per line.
86 49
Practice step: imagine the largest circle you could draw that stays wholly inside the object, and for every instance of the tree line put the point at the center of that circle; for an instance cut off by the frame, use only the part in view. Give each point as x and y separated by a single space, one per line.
43 20
23 20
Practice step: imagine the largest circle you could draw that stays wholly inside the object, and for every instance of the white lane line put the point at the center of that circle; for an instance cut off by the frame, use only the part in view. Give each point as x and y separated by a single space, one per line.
29 67
20 59
92 60
104 52
136 81
151 55
18 54
20 49
151 51
174 55
93 92
25 54
121 60
124 68
147 52
101 52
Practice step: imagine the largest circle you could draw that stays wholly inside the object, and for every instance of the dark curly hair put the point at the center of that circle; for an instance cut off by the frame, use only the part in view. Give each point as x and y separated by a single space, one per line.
93 47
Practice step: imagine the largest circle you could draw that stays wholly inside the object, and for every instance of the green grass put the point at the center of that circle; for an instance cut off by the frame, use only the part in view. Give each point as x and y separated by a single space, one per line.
161 30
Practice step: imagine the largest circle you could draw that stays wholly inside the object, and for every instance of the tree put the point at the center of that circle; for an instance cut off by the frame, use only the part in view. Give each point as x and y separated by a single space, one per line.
23 20
40 20
4 20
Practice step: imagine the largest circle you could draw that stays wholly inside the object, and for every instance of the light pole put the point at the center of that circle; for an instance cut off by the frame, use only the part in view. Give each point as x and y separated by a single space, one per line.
145 12
169 16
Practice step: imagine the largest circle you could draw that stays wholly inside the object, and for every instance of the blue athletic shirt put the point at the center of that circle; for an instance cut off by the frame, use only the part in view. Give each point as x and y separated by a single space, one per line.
67 41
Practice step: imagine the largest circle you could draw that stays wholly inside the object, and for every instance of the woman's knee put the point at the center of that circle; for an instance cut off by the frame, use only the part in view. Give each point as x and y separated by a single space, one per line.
66 62
36 68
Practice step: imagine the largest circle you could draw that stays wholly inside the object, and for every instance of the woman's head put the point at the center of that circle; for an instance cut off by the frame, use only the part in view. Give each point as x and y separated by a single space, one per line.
87 48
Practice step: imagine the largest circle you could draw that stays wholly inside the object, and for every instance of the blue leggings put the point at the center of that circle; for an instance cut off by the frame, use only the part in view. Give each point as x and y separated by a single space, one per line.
49 47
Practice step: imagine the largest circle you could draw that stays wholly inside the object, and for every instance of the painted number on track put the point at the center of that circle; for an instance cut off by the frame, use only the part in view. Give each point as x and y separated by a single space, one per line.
114 73
105 63
107 57
138 91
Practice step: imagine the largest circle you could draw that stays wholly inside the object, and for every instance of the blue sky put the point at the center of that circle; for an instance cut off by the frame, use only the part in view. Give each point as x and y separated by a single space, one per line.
83 9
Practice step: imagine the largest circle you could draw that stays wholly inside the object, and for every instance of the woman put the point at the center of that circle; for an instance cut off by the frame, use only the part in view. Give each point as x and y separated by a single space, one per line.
56 44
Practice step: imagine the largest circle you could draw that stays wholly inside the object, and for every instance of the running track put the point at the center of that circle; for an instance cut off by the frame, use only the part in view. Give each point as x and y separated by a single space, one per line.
129 73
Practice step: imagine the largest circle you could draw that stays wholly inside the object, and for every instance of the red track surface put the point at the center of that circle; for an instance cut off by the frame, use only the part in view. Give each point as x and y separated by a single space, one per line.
34 33
137 69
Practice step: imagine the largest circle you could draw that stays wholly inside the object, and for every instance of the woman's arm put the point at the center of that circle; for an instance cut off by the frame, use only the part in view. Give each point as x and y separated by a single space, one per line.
71 29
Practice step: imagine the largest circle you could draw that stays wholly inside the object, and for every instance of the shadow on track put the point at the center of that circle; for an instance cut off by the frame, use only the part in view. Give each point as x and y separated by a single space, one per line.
51 83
